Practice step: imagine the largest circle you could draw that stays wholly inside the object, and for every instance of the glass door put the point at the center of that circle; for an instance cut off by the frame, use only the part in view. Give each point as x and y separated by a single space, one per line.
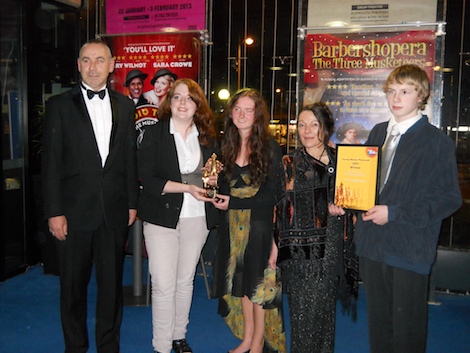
13 140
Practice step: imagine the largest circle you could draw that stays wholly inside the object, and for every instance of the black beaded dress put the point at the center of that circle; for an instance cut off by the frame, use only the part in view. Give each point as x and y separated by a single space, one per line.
244 242
312 245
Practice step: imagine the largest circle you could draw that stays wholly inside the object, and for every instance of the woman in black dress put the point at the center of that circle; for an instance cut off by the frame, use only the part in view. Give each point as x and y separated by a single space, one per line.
313 237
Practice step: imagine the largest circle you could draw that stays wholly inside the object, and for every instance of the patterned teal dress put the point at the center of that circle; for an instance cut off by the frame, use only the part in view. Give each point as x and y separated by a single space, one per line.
244 241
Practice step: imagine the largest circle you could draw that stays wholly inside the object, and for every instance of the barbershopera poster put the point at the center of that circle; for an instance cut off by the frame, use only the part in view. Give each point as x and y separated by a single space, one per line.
348 71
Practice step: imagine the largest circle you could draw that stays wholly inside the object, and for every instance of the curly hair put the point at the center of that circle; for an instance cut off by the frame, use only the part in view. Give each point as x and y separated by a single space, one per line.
258 140
203 117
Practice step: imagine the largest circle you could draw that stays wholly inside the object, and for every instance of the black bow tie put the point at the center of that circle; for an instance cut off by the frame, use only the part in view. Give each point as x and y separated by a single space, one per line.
91 93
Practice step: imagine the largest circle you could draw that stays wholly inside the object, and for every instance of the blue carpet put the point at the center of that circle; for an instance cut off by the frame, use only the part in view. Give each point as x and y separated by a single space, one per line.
30 322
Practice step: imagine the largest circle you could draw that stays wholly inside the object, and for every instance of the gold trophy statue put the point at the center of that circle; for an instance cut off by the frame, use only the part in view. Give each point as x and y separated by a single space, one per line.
212 168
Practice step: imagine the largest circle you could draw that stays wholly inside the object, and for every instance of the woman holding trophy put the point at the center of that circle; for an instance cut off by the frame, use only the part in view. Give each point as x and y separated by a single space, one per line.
176 212
244 273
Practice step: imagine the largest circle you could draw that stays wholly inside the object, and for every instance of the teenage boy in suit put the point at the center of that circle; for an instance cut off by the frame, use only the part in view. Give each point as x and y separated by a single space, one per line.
90 190
396 240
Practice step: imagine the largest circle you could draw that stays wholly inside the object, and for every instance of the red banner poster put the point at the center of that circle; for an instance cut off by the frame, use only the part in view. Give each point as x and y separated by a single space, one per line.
150 56
141 16
177 52
347 71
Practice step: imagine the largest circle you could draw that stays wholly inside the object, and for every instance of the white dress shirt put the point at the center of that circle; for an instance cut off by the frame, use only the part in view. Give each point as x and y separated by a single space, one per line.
404 125
101 118
189 155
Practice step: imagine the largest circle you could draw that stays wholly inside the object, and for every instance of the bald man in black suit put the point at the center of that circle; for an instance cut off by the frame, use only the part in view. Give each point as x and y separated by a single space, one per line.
90 190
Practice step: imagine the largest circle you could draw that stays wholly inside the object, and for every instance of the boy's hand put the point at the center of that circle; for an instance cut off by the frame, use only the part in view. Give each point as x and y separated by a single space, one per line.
377 214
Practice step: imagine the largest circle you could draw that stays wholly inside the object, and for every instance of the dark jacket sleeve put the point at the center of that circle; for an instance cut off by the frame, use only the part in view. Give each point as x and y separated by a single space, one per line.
52 160
153 176
131 160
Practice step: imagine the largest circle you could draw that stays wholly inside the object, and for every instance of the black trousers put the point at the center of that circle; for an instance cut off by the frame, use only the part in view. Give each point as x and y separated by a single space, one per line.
103 248
396 307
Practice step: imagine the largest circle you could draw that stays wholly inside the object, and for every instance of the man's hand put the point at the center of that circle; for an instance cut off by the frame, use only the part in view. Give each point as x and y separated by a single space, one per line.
377 214
132 216
58 227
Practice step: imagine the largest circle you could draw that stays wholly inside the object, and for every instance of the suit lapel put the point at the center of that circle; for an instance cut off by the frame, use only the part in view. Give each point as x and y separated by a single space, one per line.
80 107
172 151
82 113
115 115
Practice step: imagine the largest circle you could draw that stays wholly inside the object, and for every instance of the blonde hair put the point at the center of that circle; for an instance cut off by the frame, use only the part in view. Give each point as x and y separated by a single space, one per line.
411 75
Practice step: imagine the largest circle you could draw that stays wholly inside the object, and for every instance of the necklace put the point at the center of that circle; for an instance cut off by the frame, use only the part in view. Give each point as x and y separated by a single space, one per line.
321 154
314 152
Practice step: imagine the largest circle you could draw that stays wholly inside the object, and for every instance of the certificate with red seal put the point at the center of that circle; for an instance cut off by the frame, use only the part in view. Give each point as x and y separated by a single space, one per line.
357 176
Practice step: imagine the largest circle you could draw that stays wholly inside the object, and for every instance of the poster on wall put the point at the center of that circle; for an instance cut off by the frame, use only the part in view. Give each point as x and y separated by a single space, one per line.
146 65
347 71
370 12
141 16
176 52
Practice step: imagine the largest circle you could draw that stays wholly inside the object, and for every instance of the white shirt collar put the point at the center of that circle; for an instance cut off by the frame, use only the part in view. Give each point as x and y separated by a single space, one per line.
88 87
404 125
173 129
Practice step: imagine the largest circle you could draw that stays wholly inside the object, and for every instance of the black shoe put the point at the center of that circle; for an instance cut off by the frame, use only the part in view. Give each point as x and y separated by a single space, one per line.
181 346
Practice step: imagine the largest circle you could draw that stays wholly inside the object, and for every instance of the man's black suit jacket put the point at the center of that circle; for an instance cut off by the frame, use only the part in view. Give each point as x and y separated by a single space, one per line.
75 183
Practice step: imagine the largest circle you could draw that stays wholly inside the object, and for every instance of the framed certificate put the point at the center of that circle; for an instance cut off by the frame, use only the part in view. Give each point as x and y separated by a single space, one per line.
357 176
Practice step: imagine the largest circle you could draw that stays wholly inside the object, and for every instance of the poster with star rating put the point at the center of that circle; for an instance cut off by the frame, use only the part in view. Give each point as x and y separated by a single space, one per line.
176 52
347 71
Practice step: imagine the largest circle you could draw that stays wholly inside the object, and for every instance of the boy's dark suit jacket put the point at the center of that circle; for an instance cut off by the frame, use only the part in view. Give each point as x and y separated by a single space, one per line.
74 182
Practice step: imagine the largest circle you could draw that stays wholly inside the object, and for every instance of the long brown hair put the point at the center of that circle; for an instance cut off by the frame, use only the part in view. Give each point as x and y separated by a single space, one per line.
258 141
203 117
